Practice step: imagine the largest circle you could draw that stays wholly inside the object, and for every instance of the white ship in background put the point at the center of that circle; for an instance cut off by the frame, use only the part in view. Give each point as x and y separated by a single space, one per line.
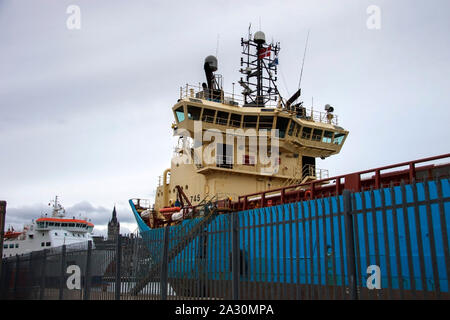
48 232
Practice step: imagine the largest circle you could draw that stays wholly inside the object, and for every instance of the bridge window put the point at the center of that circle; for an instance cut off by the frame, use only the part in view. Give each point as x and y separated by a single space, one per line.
281 126
265 122
327 136
222 118
317 135
298 130
291 128
180 114
338 138
250 121
235 120
306 133
208 115
194 112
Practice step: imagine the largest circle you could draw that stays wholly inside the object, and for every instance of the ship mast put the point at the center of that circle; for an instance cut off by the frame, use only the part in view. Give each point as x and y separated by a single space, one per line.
58 210
260 70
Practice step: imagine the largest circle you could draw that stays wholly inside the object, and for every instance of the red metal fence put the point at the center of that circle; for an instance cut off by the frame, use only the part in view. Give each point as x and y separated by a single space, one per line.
354 182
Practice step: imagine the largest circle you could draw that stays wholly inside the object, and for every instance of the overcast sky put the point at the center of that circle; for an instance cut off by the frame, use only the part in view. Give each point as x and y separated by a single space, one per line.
85 114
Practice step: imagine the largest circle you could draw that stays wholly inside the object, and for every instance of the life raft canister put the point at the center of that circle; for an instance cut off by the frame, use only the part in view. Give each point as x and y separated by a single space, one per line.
169 210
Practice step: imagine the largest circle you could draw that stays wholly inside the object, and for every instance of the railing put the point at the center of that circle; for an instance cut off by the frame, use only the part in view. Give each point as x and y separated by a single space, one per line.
310 170
142 203
197 92
353 181
232 99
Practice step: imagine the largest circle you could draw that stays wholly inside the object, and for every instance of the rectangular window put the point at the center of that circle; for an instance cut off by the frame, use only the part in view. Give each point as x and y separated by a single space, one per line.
235 120
208 115
250 121
298 130
281 126
42 244
317 135
5 246
48 244
222 118
306 133
180 114
224 157
265 122
291 128
194 112
327 136
17 245
11 246
338 138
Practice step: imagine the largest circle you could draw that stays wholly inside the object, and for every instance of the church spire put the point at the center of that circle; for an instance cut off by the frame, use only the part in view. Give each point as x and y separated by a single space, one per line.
114 215
113 226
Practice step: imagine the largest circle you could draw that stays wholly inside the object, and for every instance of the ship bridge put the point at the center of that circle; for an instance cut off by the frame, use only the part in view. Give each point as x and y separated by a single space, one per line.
303 136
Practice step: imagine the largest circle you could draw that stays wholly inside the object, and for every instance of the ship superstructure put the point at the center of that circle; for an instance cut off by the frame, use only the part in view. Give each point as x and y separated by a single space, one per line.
48 231
223 137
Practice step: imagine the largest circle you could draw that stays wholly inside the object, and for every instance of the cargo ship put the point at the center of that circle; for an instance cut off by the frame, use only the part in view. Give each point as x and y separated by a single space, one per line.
251 154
